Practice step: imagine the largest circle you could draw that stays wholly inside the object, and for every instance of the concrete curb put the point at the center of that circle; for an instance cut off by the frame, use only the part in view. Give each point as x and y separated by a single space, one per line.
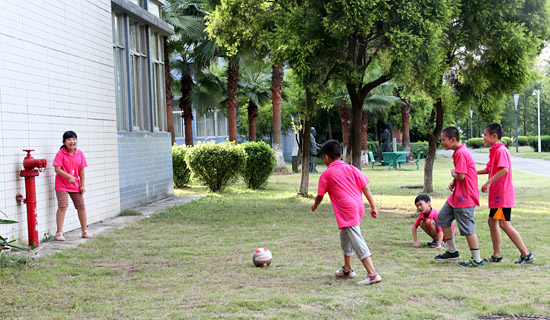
73 239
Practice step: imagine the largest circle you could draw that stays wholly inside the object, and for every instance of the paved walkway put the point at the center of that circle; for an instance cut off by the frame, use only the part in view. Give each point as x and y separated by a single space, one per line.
73 239
536 166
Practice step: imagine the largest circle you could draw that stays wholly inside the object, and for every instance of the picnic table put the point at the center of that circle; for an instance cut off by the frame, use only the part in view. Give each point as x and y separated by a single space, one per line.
394 158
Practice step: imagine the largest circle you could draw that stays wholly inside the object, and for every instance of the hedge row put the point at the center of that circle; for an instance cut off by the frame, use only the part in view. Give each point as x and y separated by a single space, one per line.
533 141
219 165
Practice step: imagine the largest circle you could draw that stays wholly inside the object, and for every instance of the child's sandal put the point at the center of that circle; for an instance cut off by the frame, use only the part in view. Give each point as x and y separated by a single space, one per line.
86 235
493 259
59 236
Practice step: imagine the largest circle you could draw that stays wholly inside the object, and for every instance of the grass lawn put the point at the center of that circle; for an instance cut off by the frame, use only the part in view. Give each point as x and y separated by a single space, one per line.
524 152
194 261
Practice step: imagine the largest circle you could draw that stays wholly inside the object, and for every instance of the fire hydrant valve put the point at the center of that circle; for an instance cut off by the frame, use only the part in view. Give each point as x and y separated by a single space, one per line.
33 167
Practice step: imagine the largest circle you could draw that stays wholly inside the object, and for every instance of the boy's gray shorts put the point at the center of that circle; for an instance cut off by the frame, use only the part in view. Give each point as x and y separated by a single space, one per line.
464 218
352 240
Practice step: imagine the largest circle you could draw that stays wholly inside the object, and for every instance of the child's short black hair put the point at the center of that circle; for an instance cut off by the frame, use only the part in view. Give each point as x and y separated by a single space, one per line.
451 132
68 135
332 149
422 197
493 128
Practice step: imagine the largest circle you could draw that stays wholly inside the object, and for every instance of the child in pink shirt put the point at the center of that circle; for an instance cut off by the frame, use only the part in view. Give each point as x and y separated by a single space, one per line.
501 195
462 201
346 185
69 164
427 220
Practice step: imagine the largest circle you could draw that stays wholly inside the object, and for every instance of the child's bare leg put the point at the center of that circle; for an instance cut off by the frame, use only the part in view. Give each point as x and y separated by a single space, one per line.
60 219
514 236
367 263
347 262
495 237
447 232
432 228
83 219
472 241
426 229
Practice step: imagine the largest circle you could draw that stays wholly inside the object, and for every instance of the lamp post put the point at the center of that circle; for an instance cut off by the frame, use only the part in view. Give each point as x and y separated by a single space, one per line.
537 93
471 125
516 99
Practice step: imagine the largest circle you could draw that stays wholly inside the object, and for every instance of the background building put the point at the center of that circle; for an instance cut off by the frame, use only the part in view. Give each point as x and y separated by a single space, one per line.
95 67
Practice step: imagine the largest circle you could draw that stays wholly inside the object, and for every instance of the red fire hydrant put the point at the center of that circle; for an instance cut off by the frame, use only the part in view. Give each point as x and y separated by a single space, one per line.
33 167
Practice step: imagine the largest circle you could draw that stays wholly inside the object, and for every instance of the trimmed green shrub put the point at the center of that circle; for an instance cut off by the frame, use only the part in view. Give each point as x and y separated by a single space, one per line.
182 173
522 141
475 143
216 165
420 146
507 141
373 147
544 143
260 162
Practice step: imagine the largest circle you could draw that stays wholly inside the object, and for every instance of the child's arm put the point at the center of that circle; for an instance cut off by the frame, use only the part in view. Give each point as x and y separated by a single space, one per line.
82 179
368 194
439 239
501 172
416 244
64 174
318 200
483 171
458 176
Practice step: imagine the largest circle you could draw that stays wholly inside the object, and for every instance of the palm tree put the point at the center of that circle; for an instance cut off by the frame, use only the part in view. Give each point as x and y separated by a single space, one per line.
191 52
277 76
254 85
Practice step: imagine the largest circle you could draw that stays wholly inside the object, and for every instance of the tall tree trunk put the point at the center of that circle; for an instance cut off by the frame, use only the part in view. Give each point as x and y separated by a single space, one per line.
168 91
354 137
232 91
306 140
433 136
364 138
277 75
186 83
345 114
252 115
405 125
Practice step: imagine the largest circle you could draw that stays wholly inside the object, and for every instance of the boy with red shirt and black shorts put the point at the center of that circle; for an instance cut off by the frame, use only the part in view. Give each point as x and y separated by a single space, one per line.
501 195
462 201
346 185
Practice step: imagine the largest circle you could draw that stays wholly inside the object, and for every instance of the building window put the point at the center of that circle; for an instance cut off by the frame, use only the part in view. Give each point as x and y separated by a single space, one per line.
211 124
119 54
137 2
178 124
139 78
159 100
154 8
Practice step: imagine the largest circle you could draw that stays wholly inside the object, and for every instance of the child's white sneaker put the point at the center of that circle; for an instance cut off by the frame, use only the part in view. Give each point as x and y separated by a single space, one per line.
370 279
343 273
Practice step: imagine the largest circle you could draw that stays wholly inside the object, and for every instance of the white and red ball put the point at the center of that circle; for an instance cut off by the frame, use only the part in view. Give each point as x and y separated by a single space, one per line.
262 257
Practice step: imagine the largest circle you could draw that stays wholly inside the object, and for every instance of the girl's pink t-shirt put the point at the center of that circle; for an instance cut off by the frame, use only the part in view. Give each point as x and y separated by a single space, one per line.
71 165
344 184
501 192
466 192
433 216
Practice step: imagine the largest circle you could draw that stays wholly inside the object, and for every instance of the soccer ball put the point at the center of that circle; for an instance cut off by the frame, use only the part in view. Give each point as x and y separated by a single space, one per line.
262 257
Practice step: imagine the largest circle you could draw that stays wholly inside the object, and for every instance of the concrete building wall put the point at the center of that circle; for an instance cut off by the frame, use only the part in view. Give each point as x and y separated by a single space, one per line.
56 74
144 158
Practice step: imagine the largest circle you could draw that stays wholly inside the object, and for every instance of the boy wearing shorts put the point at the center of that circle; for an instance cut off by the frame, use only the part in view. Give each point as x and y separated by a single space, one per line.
501 195
346 185
462 201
